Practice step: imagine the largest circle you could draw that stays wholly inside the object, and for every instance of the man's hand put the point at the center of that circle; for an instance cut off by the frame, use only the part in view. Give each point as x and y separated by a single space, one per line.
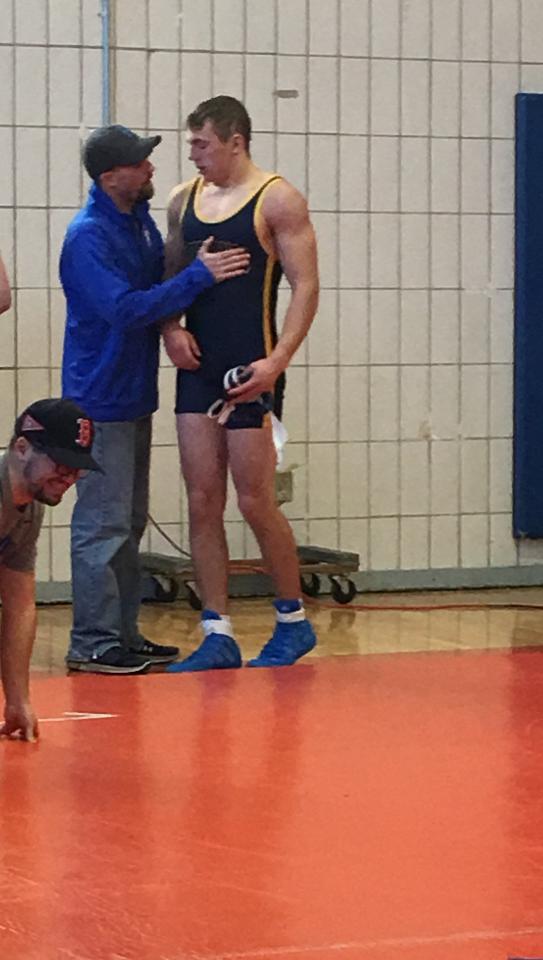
17 633
265 373
181 348
20 722
225 264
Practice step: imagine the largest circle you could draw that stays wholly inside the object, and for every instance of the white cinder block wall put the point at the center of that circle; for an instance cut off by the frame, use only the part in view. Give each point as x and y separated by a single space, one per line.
398 124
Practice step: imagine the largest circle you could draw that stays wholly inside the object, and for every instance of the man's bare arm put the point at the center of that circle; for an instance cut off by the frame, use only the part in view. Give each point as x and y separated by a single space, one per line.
5 289
173 250
18 631
180 345
290 229
286 215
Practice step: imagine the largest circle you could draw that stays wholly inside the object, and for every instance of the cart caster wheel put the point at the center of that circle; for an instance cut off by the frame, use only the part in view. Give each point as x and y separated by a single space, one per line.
310 584
166 589
340 594
193 598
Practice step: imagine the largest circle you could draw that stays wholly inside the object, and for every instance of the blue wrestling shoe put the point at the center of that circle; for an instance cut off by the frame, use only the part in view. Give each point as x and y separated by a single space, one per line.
292 638
218 651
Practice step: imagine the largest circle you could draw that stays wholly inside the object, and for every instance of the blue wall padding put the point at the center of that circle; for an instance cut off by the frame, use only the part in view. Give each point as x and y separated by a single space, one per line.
528 347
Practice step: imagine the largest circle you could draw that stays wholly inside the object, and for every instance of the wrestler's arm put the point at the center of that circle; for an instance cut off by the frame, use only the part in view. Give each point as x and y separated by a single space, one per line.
287 221
173 249
5 289
180 345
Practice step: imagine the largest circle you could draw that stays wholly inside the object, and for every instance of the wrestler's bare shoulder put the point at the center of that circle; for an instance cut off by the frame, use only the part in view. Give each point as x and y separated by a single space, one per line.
178 195
281 197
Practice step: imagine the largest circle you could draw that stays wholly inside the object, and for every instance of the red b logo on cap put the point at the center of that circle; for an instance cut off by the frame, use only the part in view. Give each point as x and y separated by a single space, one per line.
84 437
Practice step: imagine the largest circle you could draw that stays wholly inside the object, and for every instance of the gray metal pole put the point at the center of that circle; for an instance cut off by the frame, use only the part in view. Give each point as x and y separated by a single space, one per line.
105 15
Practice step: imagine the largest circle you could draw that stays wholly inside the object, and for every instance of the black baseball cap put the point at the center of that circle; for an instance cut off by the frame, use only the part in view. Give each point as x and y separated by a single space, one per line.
61 429
115 146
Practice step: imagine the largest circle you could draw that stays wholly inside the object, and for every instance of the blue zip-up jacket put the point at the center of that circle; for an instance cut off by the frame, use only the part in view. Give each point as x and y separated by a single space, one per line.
111 267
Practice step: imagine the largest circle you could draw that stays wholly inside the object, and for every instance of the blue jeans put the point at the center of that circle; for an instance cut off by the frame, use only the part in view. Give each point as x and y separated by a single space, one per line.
107 525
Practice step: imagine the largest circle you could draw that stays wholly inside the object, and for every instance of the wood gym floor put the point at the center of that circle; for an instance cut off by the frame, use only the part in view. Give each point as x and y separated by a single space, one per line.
381 800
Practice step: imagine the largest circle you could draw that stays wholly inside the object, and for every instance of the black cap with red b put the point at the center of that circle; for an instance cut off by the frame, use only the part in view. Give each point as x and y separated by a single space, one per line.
61 429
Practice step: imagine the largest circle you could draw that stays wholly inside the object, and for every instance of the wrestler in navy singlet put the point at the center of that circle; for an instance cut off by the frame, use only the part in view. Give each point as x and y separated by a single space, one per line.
234 321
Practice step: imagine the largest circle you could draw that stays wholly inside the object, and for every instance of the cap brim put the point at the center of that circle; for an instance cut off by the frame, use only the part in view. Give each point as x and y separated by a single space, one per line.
70 458
147 145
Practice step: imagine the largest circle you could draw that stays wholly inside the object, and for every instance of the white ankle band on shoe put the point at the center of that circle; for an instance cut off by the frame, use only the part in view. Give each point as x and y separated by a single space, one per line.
293 617
222 626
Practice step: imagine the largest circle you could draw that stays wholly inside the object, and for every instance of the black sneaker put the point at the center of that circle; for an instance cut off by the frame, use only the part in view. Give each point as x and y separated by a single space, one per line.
114 660
156 652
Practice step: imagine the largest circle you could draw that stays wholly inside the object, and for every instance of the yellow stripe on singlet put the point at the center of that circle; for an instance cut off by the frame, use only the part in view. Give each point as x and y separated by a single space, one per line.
187 193
263 239
258 220
231 213
258 223
266 305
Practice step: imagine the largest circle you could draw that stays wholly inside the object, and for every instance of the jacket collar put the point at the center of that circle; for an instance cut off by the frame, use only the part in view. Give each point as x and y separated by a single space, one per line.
103 202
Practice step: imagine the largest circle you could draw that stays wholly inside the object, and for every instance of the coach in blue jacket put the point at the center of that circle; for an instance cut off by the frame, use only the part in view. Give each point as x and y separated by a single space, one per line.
111 269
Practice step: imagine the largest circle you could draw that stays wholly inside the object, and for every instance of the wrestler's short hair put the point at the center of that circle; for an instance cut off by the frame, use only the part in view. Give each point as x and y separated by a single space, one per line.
227 115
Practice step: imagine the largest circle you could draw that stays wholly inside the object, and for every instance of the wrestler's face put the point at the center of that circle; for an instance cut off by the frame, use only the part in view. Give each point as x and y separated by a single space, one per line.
213 157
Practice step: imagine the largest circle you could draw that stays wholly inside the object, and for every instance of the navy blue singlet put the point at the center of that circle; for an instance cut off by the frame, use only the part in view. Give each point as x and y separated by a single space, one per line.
234 321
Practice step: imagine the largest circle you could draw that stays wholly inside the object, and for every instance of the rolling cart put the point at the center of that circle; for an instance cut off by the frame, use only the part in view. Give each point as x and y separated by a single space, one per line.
163 576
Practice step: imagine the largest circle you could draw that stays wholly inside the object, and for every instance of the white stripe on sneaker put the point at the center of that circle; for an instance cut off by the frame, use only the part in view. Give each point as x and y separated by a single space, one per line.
222 626
295 617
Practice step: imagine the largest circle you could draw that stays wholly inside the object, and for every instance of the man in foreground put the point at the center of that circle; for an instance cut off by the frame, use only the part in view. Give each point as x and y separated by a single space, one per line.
50 449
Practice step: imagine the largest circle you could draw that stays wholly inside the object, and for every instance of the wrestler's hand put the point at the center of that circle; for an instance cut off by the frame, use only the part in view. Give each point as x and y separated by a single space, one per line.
20 722
181 348
265 373
225 264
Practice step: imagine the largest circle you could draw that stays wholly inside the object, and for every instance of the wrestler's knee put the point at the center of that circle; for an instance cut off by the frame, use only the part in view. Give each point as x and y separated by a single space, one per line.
205 503
256 505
